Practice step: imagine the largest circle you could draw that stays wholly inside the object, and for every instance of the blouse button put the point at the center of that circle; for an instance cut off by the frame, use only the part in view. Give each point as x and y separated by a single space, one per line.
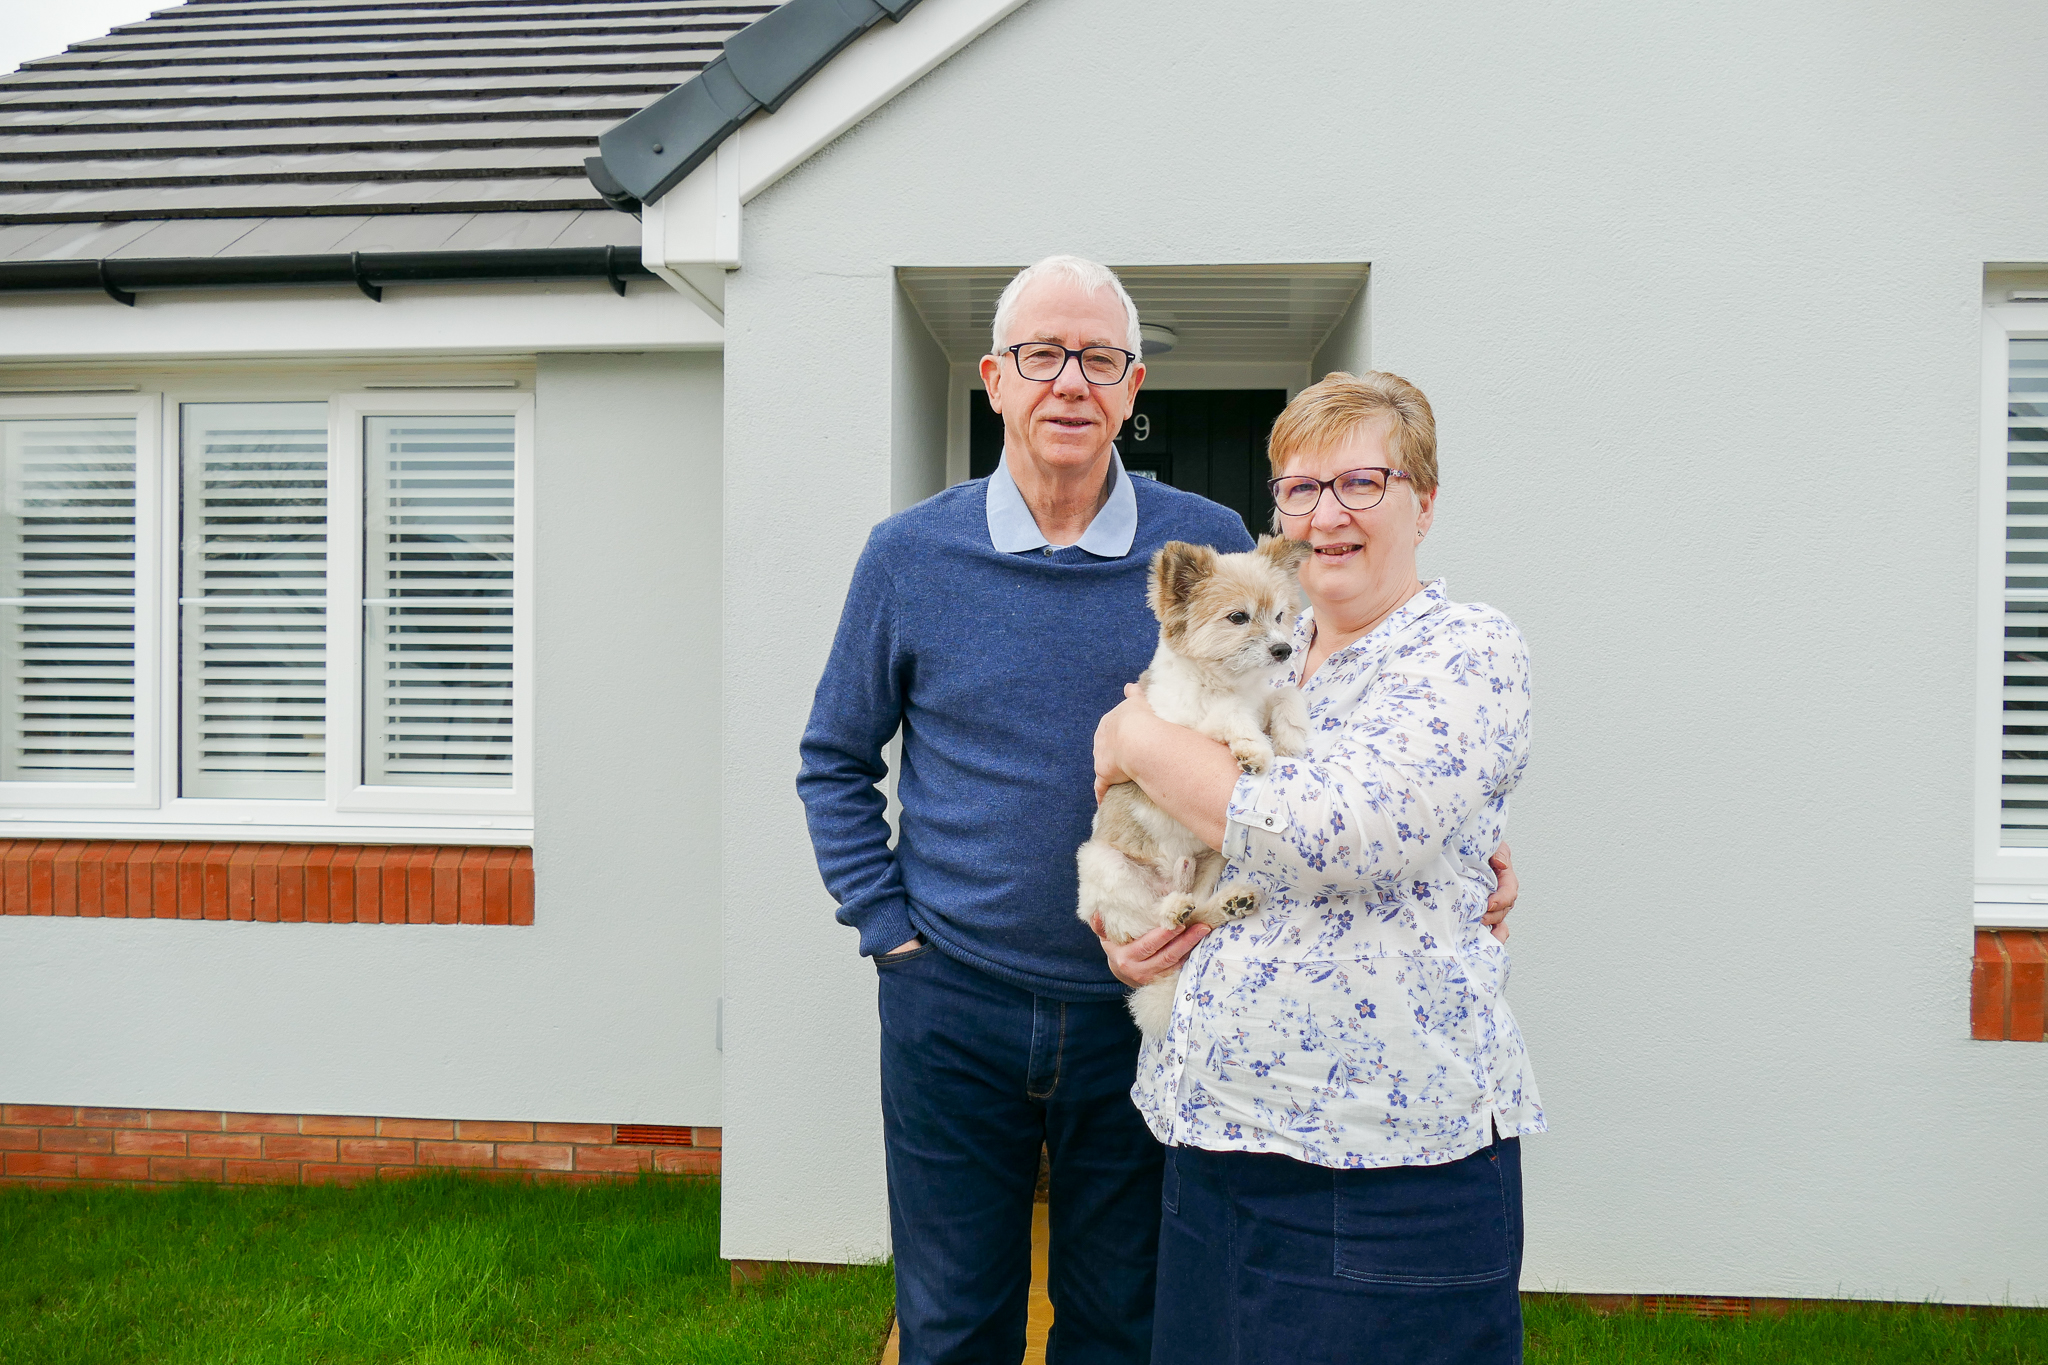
1269 822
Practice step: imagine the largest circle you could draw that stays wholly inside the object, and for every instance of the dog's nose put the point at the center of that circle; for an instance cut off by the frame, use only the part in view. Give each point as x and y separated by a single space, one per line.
1281 653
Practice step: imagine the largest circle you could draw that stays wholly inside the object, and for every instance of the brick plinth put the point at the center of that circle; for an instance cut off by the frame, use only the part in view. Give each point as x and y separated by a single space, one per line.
267 883
43 1144
2009 986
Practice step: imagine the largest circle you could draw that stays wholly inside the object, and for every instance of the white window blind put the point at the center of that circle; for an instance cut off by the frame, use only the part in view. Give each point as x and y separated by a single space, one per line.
252 604
67 581
2023 766
437 610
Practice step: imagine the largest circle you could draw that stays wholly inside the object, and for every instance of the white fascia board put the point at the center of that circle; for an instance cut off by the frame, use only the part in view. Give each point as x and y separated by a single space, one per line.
691 235
438 319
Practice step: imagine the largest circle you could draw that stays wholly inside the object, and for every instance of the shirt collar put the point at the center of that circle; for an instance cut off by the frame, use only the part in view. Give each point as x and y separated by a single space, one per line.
1011 527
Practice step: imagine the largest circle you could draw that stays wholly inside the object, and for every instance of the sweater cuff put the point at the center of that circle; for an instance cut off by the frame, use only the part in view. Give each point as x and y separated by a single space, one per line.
886 928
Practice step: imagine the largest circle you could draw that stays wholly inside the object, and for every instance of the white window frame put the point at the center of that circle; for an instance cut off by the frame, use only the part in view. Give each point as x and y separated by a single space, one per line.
347 418
141 793
2011 883
349 812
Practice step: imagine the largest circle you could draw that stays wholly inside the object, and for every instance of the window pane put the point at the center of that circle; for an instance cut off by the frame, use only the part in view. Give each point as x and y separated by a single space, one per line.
67 577
252 602
2023 765
437 561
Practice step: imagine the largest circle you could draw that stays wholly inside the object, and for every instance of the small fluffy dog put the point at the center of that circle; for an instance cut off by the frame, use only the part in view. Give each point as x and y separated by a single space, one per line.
1224 632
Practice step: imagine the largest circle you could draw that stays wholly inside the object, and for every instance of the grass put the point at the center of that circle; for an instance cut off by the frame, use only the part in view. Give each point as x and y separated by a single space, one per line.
1565 1333
440 1271
451 1271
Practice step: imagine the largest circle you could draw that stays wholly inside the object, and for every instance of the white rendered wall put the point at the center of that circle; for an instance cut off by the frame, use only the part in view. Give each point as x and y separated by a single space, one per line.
918 410
1349 345
1695 293
626 849
604 1009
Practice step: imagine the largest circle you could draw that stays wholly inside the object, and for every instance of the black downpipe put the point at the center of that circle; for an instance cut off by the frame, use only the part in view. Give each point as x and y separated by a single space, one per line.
370 271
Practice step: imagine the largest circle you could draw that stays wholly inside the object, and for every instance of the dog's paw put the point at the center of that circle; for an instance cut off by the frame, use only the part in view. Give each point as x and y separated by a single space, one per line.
1289 741
1239 903
1253 758
1288 724
1180 910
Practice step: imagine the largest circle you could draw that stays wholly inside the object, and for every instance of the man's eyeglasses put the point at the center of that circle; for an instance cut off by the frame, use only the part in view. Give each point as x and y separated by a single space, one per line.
1039 361
1358 489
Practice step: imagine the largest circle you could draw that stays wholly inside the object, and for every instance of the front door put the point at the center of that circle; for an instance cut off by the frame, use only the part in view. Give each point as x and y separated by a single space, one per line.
1207 441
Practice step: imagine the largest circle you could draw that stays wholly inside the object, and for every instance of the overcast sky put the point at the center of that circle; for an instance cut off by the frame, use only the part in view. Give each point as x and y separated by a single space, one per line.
43 28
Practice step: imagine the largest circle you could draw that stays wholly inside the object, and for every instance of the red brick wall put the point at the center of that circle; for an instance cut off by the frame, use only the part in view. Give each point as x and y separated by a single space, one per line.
43 1144
270 883
2008 984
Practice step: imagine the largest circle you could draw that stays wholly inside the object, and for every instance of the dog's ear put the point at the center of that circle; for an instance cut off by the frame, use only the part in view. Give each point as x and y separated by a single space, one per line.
1176 570
1285 555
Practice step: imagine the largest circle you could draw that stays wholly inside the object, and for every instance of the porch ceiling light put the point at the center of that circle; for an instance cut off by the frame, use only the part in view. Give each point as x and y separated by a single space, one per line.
1158 338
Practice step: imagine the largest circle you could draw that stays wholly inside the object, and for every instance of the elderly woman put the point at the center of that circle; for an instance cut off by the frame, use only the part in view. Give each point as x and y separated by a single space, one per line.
1343 1086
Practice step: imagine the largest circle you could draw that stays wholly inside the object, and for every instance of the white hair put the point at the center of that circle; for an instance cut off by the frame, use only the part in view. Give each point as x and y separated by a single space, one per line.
1075 270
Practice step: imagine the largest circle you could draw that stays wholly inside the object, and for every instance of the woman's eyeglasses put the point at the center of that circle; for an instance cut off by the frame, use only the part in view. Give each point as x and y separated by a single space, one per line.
1358 489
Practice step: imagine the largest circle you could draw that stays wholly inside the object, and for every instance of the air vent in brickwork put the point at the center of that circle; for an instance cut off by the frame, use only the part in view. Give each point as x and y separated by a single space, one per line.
654 1135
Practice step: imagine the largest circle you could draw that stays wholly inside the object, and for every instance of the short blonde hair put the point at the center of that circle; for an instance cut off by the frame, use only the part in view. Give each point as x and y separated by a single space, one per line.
1326 413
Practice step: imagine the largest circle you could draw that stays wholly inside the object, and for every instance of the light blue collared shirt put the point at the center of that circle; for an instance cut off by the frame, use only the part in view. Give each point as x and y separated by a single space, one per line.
1011 527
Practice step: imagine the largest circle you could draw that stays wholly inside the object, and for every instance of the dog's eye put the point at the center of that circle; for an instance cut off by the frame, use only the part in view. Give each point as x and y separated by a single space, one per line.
1238 618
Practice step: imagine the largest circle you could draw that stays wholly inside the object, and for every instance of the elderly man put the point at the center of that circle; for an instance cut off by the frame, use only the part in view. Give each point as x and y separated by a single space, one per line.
994 624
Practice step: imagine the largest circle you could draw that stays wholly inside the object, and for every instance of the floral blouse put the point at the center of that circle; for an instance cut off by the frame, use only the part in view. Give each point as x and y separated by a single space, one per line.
1359 1018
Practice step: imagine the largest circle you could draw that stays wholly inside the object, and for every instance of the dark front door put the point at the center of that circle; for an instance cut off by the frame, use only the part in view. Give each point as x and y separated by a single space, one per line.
1207 441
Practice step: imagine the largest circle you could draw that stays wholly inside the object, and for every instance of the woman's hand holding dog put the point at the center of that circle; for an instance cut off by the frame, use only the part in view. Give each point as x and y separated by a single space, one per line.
1147 958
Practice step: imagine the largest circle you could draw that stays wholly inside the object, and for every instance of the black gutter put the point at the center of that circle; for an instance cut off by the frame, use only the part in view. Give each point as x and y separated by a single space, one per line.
369 271
763 64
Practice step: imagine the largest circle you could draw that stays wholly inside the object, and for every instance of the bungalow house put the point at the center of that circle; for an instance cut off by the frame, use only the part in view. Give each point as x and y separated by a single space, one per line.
435 436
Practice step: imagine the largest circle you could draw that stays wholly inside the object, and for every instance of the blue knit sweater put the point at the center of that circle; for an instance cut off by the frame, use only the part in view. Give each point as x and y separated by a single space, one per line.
997 667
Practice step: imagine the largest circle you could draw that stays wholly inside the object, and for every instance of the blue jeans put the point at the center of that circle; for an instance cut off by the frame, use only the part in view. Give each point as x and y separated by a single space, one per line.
976 1075
1265 1260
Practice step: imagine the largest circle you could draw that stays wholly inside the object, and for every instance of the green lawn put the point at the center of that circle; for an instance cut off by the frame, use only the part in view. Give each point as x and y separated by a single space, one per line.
464 1272
1563 1333
420 1272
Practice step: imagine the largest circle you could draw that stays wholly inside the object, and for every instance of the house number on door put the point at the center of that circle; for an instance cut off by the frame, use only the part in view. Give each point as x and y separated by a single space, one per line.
1141 428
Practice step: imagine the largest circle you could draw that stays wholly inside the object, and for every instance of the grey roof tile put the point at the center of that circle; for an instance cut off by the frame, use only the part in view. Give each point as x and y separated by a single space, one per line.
93 151
81 241
238 127
186 237
403 232
19 239
192 167
520 231
309 236
601 227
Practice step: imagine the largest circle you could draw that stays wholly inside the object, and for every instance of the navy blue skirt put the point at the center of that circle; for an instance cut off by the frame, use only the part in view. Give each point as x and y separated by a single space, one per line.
1265 1260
